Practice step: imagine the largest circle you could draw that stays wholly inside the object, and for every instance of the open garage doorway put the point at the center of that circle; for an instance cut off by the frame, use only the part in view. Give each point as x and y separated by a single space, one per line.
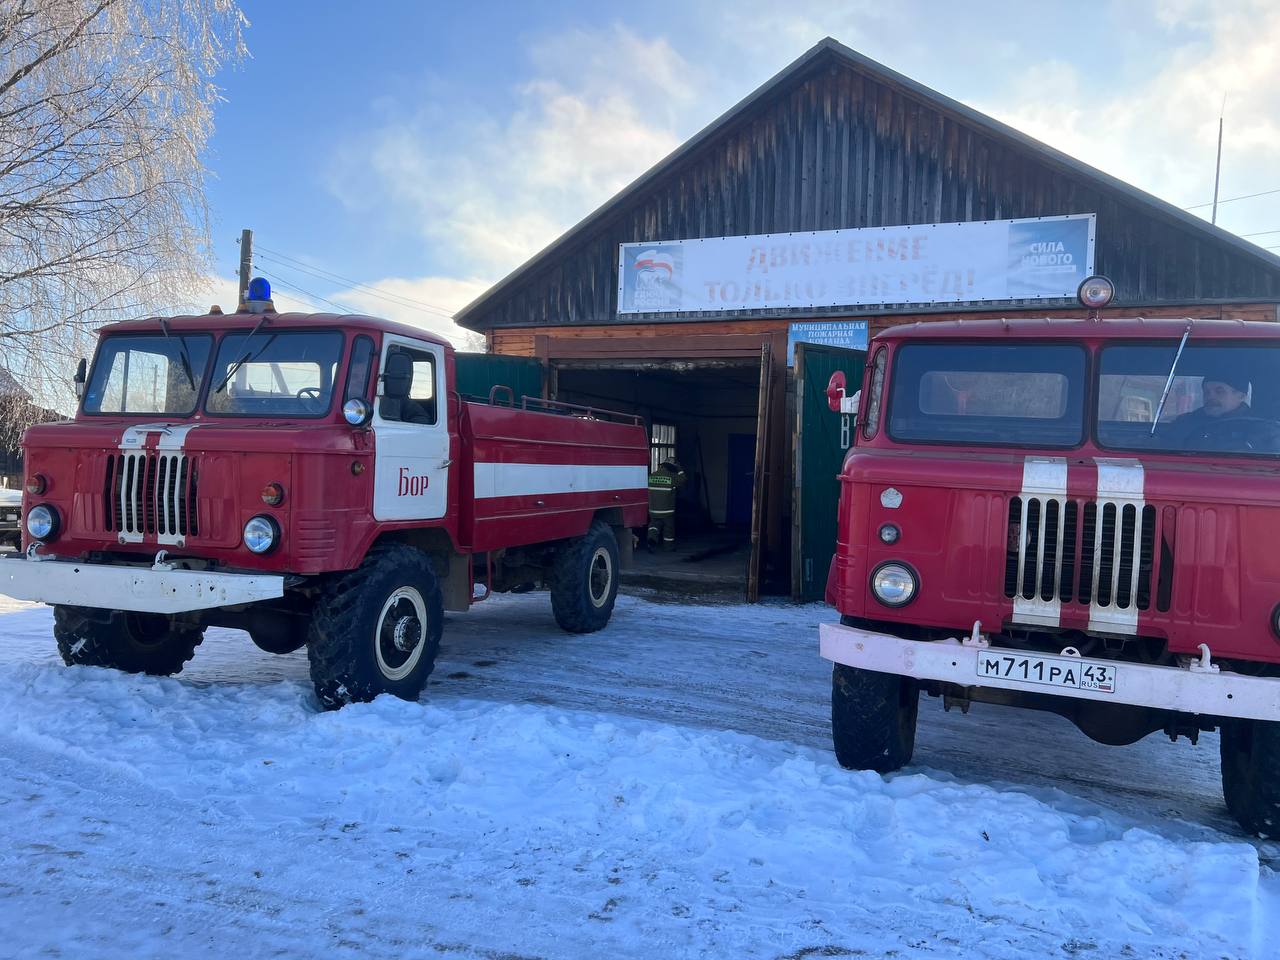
707 416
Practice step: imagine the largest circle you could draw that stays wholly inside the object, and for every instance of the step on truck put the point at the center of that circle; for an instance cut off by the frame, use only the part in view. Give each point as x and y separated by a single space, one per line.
316 481
1075 516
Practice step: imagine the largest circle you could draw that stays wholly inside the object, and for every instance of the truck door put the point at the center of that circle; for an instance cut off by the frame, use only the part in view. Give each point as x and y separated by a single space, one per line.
821 440
411 430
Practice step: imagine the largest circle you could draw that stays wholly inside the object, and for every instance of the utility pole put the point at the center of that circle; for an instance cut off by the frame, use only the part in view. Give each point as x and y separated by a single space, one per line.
246 260
1217 167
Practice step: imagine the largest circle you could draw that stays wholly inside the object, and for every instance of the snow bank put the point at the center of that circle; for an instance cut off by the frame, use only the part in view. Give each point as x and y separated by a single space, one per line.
151 816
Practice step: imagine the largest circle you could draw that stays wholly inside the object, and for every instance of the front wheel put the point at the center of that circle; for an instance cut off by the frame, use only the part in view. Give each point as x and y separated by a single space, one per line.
584 580
150 643
1251 775
873 718
376 629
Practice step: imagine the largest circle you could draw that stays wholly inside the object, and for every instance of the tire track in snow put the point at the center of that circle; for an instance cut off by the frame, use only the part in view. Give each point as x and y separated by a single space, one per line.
754 670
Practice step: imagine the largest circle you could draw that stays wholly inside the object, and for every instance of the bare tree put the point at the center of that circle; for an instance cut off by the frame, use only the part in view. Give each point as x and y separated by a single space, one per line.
105 110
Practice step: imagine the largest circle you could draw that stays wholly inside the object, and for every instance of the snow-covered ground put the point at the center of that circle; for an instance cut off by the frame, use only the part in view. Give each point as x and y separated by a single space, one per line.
662 789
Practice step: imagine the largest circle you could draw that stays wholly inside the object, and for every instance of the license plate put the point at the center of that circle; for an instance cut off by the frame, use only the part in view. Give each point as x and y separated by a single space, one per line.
1069 672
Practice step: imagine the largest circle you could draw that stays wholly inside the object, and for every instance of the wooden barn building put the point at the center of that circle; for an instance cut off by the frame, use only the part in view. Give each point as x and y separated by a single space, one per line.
860 190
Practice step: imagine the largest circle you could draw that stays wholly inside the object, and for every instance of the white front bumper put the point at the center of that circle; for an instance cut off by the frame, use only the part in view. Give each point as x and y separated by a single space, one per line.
143 589
1206 692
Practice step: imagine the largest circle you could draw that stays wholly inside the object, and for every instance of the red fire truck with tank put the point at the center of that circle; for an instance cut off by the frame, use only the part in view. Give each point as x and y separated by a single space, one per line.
317 481
1078 516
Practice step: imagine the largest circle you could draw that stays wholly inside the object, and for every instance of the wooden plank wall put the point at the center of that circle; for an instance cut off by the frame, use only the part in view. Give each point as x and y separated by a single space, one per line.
521 341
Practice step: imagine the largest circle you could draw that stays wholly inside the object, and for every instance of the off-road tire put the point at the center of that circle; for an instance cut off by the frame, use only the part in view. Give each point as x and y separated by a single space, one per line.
348 628
1251 775
150 643
580 603
873 718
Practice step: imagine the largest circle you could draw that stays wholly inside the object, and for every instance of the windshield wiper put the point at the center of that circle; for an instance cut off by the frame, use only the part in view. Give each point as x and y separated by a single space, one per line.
247 356
182 355
1173 368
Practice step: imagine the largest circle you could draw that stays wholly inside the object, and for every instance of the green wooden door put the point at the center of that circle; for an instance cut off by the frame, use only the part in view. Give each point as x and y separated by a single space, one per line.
478 373
820 443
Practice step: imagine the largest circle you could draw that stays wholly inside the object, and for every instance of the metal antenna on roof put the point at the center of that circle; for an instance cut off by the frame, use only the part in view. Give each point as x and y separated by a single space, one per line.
1217 168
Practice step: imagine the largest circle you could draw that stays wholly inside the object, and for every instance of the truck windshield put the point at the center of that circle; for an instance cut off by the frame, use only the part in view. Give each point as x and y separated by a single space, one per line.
999 395
1225 398
148 374
274 374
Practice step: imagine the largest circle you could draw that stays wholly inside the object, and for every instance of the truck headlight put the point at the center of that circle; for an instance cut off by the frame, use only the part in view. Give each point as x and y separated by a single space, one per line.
42 522
261 534
894 584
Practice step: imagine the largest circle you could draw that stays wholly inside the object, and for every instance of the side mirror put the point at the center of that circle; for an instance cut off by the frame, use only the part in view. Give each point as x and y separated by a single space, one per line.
397 377
79 379
835 390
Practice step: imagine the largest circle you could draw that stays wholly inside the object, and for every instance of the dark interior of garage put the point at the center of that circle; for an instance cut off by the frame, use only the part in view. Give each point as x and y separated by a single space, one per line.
704 414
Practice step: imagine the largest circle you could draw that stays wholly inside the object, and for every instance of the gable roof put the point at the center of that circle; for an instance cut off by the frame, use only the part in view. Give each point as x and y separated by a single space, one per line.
10 387
831 52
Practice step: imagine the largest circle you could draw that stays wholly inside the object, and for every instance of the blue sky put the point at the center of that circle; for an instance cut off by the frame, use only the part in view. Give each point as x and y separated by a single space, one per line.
426 149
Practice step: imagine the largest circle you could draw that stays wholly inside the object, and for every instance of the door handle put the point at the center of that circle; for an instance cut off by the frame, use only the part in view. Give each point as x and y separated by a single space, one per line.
446 462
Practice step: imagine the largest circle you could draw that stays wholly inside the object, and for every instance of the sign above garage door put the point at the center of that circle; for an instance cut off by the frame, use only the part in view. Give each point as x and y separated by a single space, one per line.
1043 258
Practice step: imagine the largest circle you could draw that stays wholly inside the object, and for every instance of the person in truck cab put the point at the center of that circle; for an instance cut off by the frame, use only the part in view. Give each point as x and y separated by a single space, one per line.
1226 398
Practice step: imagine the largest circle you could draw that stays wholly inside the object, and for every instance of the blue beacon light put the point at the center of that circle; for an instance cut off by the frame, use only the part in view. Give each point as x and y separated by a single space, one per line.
259 289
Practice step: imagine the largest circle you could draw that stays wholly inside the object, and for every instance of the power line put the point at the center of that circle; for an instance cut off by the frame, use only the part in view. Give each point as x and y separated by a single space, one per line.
306 293
321 273
1260 233
1248 196
389 298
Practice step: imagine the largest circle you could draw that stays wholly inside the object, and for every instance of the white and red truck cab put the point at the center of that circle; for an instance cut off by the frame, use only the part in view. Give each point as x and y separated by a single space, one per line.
315 480
1078 516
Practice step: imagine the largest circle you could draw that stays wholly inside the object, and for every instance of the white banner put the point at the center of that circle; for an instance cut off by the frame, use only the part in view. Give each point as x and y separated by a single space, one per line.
1037 258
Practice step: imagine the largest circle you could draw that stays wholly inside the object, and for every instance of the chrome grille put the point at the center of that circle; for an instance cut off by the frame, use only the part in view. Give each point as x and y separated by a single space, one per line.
1095 553
150 494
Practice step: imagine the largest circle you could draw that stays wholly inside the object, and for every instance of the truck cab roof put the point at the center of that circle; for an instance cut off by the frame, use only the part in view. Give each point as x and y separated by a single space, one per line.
1079 328
245 320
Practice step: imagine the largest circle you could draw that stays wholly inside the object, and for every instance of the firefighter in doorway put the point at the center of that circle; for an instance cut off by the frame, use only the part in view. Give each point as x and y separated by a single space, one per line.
663 484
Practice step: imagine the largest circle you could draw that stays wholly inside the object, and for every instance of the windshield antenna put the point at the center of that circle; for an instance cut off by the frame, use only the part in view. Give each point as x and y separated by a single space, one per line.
182 352
1169 382
244 359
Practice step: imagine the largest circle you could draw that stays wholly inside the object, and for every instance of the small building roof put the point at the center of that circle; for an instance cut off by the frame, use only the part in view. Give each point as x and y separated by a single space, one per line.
9 386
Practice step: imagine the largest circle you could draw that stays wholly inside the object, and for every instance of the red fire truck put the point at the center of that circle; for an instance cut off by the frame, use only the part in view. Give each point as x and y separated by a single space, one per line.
1077 516
317 481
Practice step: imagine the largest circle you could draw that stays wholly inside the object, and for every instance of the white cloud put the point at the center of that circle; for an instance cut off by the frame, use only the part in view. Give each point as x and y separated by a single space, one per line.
1160 133
422 302
485 193
223 291
1135 90
425 302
